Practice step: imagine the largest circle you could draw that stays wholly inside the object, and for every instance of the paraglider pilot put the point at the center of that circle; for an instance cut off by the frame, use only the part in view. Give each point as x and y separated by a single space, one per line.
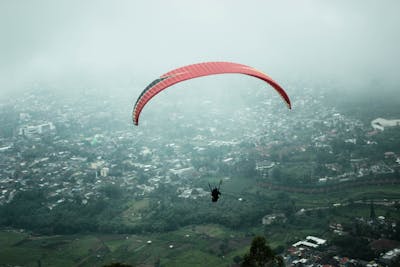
215 193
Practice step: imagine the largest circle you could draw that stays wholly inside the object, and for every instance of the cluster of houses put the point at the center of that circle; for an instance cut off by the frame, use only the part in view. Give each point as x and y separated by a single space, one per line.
91 157
317 252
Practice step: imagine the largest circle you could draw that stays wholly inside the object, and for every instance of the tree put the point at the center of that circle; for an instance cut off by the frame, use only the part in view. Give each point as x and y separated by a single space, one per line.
117 264
261 255
354 246
372 211
112 191
237 259
157 263
276 173
397 205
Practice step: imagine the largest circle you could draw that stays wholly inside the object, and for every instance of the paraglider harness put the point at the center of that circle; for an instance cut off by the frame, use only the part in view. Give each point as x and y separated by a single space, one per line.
215 193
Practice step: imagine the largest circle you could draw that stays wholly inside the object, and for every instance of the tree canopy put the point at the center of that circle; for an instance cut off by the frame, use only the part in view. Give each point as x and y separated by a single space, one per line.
261 255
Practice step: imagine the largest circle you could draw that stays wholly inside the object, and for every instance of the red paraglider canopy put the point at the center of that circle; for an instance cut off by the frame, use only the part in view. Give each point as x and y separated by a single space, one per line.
199 70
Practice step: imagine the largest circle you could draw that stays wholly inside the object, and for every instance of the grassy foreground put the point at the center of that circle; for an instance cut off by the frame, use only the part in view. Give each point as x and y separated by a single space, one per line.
188 246
194 245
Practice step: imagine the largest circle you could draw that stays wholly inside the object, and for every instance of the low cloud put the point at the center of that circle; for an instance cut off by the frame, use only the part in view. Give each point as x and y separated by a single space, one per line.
128 43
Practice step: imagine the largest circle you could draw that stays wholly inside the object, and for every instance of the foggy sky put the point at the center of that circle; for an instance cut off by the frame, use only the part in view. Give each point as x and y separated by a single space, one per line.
129 43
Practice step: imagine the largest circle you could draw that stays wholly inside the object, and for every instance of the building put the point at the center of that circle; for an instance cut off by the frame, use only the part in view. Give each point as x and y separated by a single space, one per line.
380 123
270 218
104 172
311 242
391 256
184 172
34 130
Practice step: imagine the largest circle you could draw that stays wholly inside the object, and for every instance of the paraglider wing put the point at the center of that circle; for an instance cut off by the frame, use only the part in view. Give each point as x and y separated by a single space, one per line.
199 70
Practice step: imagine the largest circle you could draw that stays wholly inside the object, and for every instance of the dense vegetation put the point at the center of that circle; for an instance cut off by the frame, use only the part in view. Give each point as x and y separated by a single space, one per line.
165 212
28 211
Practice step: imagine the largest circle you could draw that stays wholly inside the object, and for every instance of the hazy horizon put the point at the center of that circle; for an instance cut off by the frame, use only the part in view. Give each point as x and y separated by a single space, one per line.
108 45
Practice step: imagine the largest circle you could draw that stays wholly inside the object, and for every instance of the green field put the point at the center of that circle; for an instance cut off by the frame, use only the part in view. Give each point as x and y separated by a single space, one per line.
133 213
193 245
